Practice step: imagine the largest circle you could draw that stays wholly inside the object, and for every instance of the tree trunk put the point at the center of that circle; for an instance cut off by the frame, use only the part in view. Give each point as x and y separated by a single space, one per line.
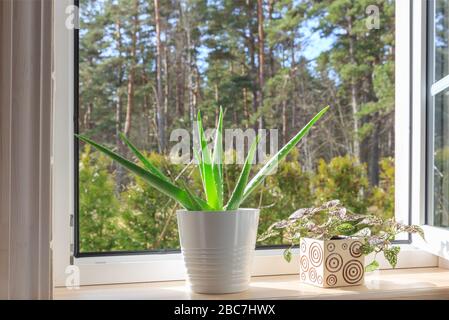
185 21
166 89
216 102
270 50
245 99
261 57
252 59
294 98
284 122
130 102
190 79
354 90
196 85
160 117
180 81
118 112
132 71
373 160
252 52
88 116
245 104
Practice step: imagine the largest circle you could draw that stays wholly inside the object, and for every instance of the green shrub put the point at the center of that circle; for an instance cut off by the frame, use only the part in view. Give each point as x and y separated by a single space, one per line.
141 218
382 197
148 220
343 178
98 205
283 193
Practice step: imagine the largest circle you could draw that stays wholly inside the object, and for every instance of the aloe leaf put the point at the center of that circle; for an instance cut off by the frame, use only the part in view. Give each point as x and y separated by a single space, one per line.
198 154
271 164
200 203
154 170
237 195
204 204
218 159
200 164
208 175
155 181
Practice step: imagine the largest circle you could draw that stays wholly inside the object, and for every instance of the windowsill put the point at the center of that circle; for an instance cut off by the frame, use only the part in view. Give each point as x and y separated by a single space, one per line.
416 283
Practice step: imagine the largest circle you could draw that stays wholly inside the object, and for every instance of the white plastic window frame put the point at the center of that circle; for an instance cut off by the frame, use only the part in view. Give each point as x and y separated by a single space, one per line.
164 267
437 239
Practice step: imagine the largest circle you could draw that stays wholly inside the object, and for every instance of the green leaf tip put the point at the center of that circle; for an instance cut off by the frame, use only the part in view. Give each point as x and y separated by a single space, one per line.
210 165
281 154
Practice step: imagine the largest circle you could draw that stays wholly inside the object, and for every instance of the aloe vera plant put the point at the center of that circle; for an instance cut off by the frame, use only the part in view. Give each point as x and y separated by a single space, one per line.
210 165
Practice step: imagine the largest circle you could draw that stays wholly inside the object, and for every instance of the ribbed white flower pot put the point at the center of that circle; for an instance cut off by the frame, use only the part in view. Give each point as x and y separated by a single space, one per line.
218 248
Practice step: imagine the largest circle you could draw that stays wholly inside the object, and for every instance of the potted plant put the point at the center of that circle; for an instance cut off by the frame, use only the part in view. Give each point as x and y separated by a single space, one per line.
333 241
217 238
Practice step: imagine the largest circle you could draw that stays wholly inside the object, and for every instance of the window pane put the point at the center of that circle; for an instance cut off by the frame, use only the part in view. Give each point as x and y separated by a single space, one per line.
441 36
441 161
147 77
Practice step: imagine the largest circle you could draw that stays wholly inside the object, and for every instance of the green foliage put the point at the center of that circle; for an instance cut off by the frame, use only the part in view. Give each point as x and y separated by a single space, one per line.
391 254
280 155
211 58
280 195
374 265
288 255
210 167
148 219
331 220
343 178
381 201
345 229
441 181
237 195
162 185
98 205
141 218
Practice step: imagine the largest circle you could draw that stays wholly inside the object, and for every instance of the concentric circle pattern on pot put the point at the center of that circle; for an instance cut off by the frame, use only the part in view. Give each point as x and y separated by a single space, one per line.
331 263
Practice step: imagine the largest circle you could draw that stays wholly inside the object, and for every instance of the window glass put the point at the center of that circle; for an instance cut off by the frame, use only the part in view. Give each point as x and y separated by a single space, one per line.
441 38
441 161
146 70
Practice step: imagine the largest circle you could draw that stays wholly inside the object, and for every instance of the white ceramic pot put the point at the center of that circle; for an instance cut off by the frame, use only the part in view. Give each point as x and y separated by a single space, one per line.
218 248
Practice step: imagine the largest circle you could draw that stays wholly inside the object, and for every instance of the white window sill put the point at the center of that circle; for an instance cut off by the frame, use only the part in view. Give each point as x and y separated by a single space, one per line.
170 267
415 283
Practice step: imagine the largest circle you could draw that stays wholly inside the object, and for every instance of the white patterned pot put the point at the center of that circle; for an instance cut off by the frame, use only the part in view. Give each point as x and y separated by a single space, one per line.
331 263
218 248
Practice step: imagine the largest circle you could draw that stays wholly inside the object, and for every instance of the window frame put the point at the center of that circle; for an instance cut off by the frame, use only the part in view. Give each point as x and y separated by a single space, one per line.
425 88
169 266
434 87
